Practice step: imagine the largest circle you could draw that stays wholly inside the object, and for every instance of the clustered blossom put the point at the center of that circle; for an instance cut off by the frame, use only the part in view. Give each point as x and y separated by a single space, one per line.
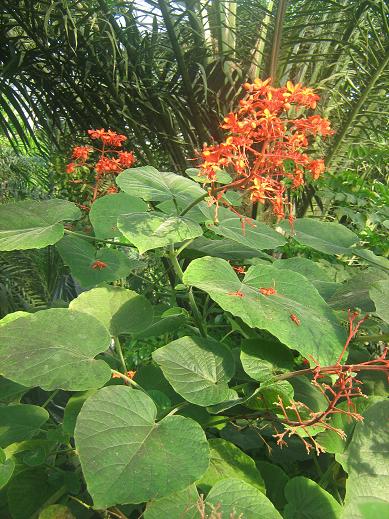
298 418
266 144
110 162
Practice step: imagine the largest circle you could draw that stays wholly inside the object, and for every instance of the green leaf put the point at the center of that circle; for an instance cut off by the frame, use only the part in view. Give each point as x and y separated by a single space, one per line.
28 491
180 505
304 266
228 461
152 185
370 257
20 422
379 293
72 410
368 450
117 438
268 394
255 235
56 350
106 210
318 333
120 310
152 230
80 256
56 512
11 317
354 292
198 369
307 500
262 359
327 237
224 248
7 467
232 497
169 321
10 391
365 494
33 225
275 480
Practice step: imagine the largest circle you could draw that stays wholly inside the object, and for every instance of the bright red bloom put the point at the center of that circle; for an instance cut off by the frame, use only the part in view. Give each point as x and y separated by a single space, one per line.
265 144
126 158
70 168
81 152
99 265
107 165
108 137
268 291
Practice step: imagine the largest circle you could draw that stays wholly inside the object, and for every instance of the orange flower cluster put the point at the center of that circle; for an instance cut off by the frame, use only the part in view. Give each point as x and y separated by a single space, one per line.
265 148
110 161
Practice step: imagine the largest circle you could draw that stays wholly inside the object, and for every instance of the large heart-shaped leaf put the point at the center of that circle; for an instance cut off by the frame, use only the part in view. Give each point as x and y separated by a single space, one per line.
327 237
105 211
295 314
152 185
120 310
198 369
32 225
20 422
236 498
127 457
152 230
81 256
254 234
308 500
228 461
55 349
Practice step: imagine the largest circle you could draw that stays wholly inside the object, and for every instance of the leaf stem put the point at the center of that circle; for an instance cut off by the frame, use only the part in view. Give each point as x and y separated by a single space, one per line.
119 352
93 238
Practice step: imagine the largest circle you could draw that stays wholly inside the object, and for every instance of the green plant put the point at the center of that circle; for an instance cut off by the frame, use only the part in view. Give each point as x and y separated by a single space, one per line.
197 348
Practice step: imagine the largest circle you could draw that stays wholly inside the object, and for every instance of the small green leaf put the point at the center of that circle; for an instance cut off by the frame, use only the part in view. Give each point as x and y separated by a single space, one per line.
180 505
81 256
10 391
354 292
318 332
153 230
20 422
72 410
127 457
232 497
7 467
327 237
28 491
55 349
106 210
33 225
307 500
262 359
152 185
222 248
379 293
255 235
120 310
228 461
198 369
56 512
367 452
169 321
275 480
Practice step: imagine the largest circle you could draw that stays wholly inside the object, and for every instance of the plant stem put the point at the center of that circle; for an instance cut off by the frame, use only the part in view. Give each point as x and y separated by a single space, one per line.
128 380
53 395
93 238
119 352
195 310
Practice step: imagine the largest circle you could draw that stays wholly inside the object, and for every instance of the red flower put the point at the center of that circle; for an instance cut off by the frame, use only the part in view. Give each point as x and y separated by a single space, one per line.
268 291
107 165
70 168
81 152
126 158
99 265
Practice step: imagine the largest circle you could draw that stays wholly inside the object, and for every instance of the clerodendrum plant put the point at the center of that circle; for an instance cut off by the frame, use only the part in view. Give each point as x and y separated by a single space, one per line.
250 355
